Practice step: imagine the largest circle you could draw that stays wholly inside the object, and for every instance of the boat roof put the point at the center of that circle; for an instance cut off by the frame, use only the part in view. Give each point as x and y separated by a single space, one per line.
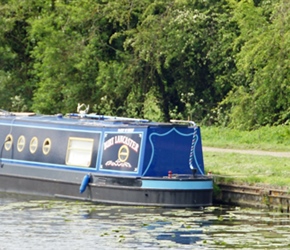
89 120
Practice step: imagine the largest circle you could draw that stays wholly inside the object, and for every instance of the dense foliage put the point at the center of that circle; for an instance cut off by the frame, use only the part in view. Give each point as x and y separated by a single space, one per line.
222 62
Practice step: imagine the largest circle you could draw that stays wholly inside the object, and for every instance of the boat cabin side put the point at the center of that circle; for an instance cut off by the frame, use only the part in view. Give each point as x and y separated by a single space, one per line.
126 149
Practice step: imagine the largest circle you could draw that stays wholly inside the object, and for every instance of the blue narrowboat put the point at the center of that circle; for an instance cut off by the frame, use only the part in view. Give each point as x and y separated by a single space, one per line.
103 159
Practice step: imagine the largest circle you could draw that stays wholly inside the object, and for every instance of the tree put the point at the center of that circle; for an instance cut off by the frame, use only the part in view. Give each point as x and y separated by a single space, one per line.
66 54
175 53
262 97
16 85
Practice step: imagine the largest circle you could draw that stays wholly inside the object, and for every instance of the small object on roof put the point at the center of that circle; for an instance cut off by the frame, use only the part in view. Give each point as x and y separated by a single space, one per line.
83 109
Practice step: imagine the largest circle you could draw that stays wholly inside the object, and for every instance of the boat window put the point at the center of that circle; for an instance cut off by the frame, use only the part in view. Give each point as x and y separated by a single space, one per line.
33 145
79 152
21 143
8 142
46 146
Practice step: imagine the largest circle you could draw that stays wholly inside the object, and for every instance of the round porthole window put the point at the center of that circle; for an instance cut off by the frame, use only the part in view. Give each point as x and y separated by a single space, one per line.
21 143
8 142
46 146
33 145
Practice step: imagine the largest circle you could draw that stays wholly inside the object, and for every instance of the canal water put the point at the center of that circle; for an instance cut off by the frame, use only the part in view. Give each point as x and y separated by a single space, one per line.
27 223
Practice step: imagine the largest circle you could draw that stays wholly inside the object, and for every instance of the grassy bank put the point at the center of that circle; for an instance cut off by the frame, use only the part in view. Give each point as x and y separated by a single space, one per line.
245 168
267 138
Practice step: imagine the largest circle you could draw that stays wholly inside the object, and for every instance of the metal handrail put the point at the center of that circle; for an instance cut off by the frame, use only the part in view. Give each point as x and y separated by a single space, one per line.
192 123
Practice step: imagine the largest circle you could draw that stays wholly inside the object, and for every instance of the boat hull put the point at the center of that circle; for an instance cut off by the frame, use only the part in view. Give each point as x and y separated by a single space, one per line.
177 192
152 197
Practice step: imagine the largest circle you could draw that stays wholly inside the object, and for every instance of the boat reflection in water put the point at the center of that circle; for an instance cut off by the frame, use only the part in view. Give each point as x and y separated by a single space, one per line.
54 224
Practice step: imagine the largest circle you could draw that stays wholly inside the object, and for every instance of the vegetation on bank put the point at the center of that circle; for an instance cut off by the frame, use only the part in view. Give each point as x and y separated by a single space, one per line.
245 168
218 62
274 138
248 169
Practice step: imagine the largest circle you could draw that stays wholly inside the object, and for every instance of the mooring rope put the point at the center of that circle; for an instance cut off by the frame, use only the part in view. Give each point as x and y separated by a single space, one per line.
192 150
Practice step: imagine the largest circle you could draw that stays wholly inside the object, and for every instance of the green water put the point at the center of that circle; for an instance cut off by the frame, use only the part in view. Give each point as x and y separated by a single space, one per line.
46 224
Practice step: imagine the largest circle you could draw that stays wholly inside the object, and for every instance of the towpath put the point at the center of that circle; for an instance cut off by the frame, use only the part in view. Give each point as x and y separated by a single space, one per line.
242 151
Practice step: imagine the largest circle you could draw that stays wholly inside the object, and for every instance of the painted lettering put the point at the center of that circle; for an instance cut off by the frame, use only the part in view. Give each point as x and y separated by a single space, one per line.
118 164
109 143
121 139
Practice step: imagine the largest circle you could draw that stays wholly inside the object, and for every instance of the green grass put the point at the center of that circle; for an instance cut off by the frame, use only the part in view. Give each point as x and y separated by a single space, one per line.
248 169
266 138
245 168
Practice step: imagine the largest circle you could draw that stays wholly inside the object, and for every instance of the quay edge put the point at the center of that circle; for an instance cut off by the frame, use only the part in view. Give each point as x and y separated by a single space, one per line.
252 196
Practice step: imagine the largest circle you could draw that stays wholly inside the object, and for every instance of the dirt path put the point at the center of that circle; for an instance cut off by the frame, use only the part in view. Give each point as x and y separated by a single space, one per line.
252 152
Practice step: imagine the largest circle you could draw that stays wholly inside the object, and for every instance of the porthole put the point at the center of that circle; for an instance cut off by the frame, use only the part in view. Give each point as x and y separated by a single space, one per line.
33 145
46 146
21 143
8 142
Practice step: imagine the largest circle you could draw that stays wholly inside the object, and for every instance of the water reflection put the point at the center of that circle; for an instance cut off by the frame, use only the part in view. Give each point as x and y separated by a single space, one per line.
52 224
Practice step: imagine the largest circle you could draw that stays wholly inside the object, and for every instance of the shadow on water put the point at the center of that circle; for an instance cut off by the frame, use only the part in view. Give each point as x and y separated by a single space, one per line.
58 224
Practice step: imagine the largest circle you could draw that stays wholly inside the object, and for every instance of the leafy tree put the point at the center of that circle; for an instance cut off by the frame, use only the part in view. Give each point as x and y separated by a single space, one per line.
15 61
66 55
216 61
262 97
174 51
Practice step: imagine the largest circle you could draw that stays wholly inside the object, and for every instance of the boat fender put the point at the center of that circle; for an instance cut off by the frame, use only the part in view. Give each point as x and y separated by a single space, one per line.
85 183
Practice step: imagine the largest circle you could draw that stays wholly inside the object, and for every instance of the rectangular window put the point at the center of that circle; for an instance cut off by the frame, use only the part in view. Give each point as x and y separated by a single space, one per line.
79 152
